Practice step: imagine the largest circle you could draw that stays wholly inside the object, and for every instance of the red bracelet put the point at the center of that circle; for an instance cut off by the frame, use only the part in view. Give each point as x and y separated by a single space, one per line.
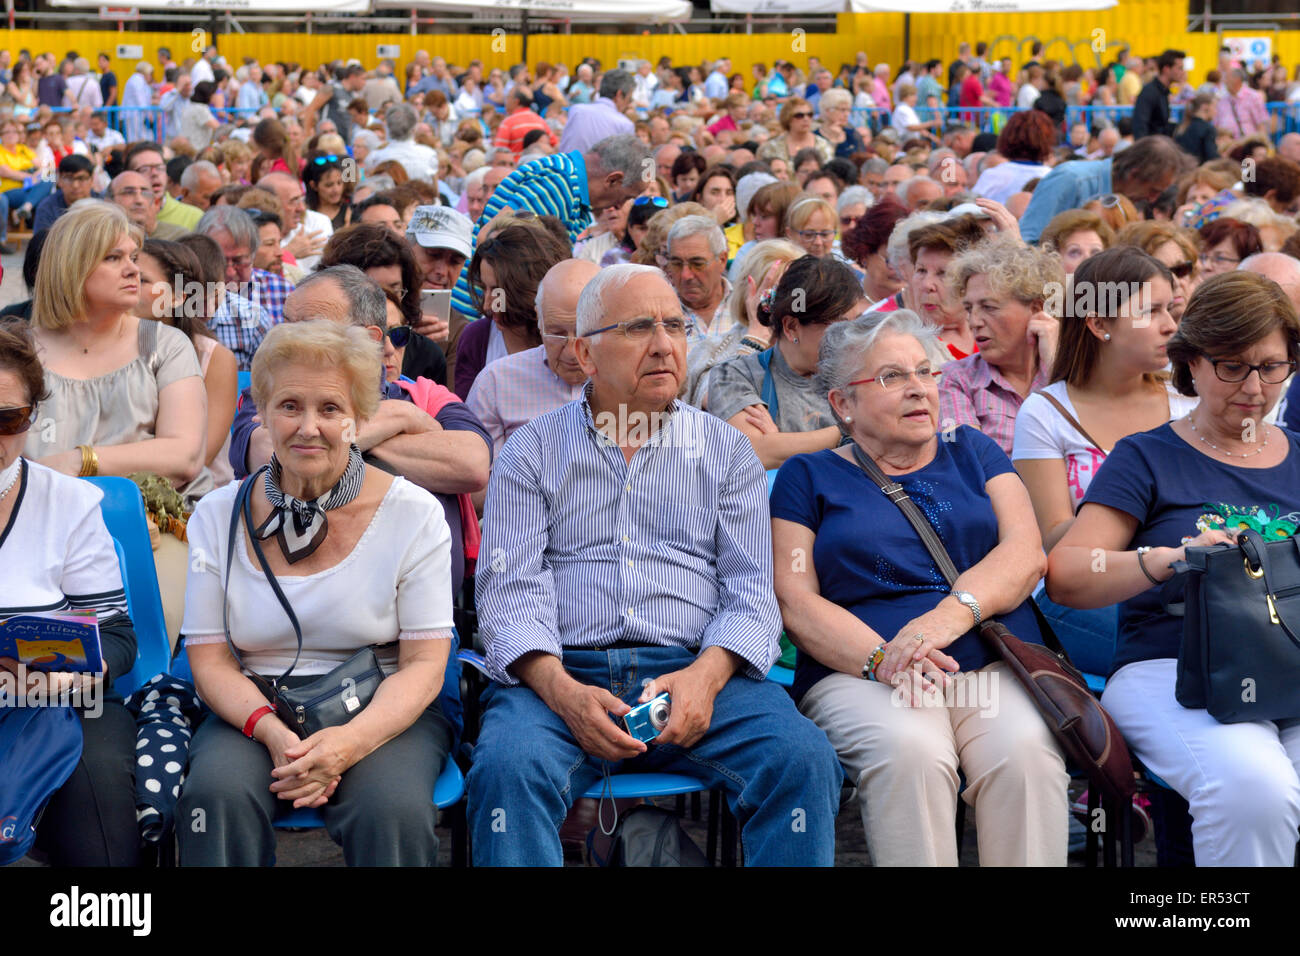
254 717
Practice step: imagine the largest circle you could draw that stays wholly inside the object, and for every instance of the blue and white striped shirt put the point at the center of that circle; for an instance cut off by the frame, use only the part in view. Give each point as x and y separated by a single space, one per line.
583 549
551 186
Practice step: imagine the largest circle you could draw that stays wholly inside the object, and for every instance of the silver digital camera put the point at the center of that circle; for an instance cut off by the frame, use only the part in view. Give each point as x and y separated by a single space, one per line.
648 720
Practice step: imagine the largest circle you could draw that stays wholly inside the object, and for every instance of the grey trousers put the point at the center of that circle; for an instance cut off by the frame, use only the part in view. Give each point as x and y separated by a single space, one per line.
382 813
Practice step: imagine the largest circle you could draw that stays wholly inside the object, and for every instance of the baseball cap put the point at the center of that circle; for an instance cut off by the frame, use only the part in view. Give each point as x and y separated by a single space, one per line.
441 227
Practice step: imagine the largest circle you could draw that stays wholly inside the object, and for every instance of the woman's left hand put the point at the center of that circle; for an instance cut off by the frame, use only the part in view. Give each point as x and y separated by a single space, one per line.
925 637
1042 331
1001 217
316 765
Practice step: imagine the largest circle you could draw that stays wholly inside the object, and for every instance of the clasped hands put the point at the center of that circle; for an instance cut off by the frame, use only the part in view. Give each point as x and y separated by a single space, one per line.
914 661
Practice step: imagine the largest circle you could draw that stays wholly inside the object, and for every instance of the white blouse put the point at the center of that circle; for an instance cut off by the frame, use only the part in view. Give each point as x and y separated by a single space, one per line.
396 582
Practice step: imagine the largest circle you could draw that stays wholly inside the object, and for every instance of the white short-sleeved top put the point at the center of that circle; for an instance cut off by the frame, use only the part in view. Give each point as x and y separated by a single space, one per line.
1043 433
396 580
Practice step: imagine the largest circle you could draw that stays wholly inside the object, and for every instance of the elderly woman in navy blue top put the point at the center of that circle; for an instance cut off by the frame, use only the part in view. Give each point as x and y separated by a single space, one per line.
1191 483
890 665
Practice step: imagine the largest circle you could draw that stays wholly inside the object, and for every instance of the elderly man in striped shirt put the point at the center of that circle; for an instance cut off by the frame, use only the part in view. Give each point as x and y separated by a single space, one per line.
627 553
568 186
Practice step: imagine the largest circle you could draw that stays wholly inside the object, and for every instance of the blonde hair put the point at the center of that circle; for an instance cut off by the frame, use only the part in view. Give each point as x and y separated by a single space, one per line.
801 210
756 263
75 247
1013 270
321 343
835 98
234 151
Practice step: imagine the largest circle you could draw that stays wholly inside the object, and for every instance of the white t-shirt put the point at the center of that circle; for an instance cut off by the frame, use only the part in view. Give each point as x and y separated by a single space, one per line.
1043 433
902 117
396 581
1027 95
312 221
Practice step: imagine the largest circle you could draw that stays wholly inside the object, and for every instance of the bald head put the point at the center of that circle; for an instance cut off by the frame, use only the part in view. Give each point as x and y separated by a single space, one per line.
557 314
289 191
1281 268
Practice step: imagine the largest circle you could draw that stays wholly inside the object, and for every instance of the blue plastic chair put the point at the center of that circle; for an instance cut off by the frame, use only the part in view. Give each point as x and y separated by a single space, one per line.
245 380
123 511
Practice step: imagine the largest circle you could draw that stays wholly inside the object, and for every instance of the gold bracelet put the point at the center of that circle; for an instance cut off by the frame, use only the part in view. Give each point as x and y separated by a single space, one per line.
89 461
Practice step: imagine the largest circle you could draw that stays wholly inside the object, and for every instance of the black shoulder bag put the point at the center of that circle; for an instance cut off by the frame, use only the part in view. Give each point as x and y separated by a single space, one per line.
331 699
1085 731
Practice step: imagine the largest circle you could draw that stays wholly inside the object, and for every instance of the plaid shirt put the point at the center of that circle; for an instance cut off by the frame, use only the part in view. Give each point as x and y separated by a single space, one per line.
270 291
240 325
972 392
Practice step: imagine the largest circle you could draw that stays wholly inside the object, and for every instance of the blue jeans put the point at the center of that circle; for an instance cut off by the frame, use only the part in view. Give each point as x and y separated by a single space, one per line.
781 775
14 198
1088 636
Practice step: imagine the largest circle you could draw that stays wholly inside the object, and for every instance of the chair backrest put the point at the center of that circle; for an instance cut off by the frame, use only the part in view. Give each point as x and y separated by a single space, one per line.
245 380
771 480
123 511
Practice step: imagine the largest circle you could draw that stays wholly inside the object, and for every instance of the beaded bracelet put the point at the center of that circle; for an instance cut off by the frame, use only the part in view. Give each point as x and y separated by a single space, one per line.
869 668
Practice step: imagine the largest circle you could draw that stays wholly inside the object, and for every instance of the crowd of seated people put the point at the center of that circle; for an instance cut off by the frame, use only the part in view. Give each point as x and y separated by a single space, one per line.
606 375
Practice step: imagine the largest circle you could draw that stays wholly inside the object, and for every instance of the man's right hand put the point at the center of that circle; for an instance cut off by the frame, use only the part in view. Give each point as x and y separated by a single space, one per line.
306 243
586 710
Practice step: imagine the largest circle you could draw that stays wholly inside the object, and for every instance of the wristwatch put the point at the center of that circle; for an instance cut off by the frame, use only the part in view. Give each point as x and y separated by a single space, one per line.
965 597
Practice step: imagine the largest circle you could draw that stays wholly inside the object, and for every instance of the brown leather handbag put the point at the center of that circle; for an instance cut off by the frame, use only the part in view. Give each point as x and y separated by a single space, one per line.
1087 733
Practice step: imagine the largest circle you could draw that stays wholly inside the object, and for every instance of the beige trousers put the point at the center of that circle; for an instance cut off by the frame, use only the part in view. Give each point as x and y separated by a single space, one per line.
904 762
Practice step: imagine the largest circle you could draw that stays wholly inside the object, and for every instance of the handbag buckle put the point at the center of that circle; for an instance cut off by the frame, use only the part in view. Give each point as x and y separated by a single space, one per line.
1272 609
1252 572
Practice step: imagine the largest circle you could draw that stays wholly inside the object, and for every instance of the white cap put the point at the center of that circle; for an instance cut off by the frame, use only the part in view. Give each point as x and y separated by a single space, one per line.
441 227
967 209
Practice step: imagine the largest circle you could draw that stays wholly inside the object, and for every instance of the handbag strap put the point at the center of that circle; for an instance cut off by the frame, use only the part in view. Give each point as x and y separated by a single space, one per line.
1074 422
930 538
244 509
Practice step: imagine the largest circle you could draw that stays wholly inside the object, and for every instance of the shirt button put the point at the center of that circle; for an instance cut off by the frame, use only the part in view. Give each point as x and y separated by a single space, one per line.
629 563
626 538
627 487
630 613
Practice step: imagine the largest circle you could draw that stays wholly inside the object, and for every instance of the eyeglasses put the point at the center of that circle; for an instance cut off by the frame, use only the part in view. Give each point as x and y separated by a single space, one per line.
641 329
15 421
893 379
79 180
800 115
848 222
399 335
697 264
132 191
1114 201
659 202
151 168
810 234
555 338
239 262
1270 373
1183 269
326 160
1217 259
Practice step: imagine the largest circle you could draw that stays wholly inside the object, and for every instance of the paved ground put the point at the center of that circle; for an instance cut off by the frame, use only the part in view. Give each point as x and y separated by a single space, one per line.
11 289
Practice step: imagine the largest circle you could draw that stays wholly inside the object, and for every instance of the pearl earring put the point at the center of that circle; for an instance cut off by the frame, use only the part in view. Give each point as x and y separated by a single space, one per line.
795 341
848 420
1105 337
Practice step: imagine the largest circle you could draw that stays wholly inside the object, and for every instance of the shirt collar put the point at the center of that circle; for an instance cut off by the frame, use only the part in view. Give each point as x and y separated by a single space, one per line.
590 421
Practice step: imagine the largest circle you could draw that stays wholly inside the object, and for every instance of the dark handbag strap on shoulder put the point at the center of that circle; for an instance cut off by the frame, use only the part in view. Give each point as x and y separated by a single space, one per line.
1074 422
930 538
244 509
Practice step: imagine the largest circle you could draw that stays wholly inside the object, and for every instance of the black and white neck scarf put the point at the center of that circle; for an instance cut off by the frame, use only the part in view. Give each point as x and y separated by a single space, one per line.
300 526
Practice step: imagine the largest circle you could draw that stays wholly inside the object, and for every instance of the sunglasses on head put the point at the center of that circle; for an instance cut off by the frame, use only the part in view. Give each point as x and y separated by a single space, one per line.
659 202
15 421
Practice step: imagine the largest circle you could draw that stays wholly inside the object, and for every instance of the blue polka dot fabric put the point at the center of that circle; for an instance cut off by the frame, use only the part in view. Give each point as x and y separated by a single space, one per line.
166 710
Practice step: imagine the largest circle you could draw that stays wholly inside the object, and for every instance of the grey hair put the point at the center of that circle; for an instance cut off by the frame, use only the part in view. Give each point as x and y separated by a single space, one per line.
230 219
874 165
476 177
190 178
615 82
591 304
852 196
689 226
845 344
400 120
367 304
896 251
627 155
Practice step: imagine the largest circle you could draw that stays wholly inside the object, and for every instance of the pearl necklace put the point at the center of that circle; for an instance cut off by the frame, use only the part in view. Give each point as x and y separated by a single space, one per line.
9 477
1224 451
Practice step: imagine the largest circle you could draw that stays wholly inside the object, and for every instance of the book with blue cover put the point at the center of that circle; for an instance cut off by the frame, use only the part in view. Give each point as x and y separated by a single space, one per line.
53 641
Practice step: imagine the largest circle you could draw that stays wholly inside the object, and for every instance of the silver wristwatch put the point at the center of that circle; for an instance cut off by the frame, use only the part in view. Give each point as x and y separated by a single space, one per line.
965 597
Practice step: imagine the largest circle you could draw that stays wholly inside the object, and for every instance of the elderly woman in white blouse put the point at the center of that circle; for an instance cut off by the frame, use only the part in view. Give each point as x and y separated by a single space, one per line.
363 558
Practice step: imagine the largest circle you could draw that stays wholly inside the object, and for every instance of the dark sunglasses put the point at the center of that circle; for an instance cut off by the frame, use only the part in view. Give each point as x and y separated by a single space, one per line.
659 202
15 421
1183 269
399 335
326 160
801 115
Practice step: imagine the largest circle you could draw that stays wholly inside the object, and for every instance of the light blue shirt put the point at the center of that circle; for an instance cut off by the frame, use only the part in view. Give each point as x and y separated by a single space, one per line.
716 86
583 549
1067 186
589 123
